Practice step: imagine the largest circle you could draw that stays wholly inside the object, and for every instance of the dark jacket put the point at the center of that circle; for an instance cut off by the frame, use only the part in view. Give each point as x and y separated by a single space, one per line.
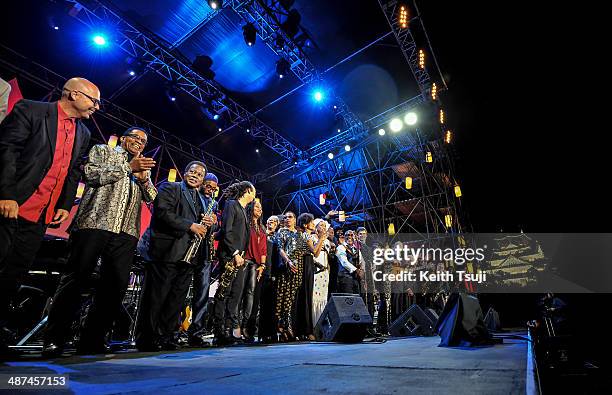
27 145
173 214
234 234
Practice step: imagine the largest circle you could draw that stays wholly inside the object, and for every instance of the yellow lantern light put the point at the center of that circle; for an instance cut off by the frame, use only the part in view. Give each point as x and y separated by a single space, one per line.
403 17
408 182
428 157
441 117
112 141
421 59
448 136
391 229
448 220
434 91
457 191
172 175
341 216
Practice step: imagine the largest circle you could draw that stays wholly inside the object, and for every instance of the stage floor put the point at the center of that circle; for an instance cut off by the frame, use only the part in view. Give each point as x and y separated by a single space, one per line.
398 366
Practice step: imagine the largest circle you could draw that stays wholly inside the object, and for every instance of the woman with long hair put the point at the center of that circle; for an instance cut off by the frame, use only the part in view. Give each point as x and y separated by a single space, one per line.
304 313
255 264
321 277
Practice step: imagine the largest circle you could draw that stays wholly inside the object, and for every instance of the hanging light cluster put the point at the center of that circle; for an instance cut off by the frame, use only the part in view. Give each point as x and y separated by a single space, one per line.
434 91
447 136
403 17
428 157
421 59
441 117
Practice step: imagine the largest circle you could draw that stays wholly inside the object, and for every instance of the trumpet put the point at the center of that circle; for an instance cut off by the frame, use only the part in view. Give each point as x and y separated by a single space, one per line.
228 275
195 243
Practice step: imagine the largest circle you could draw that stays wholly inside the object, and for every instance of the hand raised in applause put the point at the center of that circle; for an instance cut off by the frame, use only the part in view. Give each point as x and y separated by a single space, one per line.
140 163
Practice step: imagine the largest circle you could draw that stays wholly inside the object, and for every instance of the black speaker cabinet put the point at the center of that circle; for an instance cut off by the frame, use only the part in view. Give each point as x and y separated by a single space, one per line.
413 322
345 319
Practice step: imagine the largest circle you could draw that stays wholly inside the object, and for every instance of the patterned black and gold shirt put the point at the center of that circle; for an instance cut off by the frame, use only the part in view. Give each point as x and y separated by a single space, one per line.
112 196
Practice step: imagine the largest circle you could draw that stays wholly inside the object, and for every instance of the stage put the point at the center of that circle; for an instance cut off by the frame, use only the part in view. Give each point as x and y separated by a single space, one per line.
401 365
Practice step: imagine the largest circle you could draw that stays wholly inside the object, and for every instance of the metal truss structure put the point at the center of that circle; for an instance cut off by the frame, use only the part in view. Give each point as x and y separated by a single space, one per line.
169 144
150 52
368 183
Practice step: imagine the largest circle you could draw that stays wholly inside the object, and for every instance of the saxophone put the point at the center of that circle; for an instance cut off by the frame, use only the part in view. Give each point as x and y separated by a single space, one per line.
229 274
195 243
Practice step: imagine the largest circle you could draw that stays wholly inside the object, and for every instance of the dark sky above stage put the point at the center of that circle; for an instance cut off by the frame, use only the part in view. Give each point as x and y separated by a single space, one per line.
520 142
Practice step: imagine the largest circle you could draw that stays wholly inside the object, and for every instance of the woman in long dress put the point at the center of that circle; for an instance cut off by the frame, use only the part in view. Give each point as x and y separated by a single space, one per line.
321 278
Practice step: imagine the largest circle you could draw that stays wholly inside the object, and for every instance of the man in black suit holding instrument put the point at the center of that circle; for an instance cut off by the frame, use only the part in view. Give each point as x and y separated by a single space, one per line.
177 218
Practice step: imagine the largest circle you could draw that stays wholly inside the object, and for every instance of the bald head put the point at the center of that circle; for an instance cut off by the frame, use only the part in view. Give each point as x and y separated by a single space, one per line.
80 98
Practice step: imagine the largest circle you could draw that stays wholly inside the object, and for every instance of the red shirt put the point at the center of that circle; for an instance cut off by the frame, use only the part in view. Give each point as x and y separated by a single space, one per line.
48 192
258 246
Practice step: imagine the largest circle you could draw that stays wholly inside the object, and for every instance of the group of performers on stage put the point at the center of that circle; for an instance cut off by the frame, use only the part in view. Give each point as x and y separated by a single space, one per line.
275 277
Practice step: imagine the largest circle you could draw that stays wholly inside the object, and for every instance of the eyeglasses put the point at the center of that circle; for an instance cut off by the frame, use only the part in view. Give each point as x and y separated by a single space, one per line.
96 102
196 173
136 137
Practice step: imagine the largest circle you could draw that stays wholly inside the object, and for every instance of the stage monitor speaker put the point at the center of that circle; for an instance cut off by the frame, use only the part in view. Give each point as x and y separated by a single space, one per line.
492 321
345 319
413 322
433 316
461 322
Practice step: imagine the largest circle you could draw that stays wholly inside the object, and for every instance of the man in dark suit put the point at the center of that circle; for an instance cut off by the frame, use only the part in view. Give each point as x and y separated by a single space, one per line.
42 146
233 242
177 212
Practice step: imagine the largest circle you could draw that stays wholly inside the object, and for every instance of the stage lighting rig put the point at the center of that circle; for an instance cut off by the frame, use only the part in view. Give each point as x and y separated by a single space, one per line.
291 25
100 40
250 34
282 68
421 59
215 4
402 16
434 92
203 66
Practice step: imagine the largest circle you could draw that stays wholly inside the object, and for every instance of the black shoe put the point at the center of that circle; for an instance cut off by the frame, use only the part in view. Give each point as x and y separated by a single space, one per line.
149 347
198 341
170 345
92 349
223 339
52 350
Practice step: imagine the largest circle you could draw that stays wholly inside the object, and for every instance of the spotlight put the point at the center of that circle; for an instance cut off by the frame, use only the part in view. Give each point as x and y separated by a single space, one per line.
347 148
220 129
381 132
99 40
403 17
396 125
338 130
132 73
257 150
410 119
55 27
216 117
171 93
330 155
317 95
250 34
282 68
215 4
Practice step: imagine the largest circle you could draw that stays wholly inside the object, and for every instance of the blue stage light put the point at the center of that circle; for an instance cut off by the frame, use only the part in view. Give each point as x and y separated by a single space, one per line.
216 116
318 95
132 73
99 40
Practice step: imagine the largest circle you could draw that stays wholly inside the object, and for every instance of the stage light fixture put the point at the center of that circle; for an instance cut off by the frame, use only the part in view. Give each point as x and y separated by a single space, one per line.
434 91
381 132
403 16
330 155
391 229
408 182
99 40
291 25
448 220
457 191
249 33
55 27
318 95
215 4
448 136
257 150
282 68
347 148
216 117
131 73
410 119
396 125
428 157
441 117
220 129
421 59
